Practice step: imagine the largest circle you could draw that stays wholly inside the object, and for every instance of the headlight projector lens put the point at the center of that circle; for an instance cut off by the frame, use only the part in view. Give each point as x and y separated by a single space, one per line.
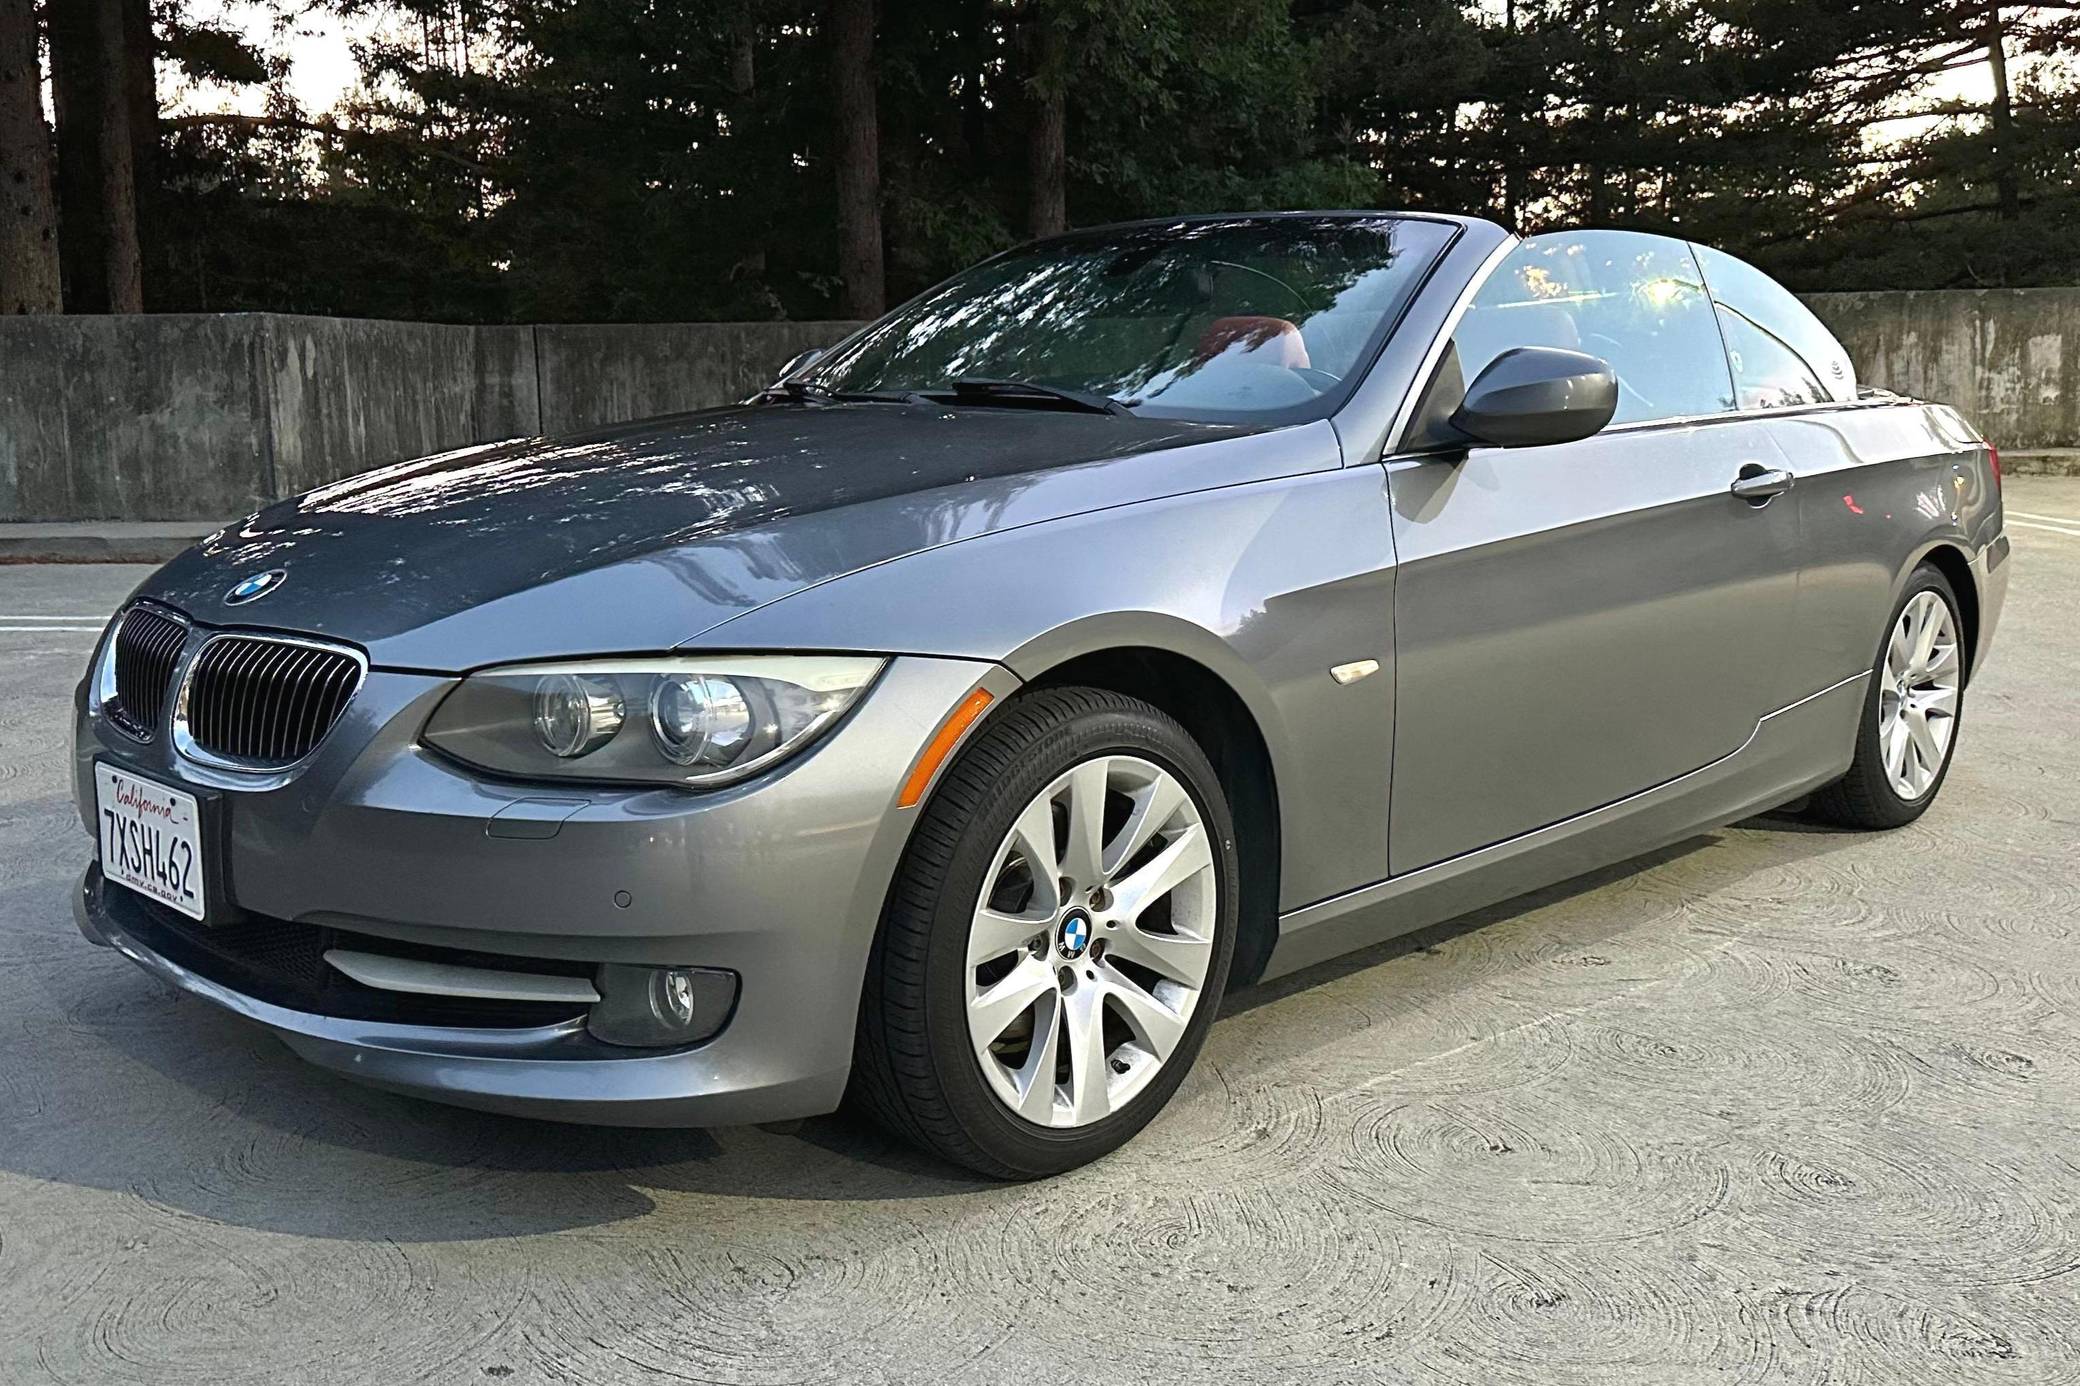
700 719
575 715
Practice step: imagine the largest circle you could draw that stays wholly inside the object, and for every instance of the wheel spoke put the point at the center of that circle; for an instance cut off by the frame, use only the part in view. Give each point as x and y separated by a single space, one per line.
1083 862
1033 837
1011 996
1154 807
1180 957
1035 1077
996 933
1157 1026
1184 857
1895 748
1089 1074
1928 623
1925 748
1939 701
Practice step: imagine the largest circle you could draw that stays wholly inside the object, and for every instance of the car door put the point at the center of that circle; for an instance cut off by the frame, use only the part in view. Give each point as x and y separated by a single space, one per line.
1580 622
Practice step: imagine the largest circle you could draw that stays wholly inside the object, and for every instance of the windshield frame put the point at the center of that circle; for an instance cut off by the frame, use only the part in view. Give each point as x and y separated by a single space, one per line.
1325 405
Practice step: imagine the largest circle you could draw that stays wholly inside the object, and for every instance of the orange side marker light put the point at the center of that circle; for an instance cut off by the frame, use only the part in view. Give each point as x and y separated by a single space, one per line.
941 746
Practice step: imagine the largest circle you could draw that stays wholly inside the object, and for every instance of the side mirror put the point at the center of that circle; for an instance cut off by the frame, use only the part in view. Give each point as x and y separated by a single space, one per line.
1530 396
800 360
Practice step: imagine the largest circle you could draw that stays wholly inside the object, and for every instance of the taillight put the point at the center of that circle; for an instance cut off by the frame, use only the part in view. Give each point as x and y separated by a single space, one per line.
1993 458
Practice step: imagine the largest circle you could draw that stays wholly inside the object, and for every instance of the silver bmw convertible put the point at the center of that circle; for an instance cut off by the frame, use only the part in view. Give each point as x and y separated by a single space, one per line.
1140 614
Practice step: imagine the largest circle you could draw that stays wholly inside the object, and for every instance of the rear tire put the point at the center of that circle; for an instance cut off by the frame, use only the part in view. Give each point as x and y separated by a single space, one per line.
1121 996
1891 783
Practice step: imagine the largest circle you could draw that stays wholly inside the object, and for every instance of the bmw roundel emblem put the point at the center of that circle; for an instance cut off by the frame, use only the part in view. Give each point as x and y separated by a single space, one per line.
1075 935
255 586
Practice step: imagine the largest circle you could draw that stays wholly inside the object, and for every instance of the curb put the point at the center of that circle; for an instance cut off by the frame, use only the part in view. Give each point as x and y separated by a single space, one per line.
2056 462
80 544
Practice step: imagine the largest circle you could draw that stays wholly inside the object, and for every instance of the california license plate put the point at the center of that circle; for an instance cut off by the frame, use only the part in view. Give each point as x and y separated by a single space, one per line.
151 839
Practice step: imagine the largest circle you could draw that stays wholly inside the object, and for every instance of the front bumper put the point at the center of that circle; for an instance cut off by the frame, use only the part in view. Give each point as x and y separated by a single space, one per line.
780 881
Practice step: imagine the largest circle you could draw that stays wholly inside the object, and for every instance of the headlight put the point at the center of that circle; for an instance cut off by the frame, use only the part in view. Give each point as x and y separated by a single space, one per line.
692 720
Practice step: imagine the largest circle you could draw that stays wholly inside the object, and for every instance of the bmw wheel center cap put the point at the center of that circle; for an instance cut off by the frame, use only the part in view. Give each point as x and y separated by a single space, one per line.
1074 935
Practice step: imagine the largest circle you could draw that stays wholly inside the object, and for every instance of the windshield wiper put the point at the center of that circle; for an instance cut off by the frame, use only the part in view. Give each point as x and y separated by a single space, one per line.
1031 392
798 391
802 392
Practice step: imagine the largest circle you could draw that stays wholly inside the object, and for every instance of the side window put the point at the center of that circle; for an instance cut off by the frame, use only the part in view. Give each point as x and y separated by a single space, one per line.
1767 373
1637 301
1782 355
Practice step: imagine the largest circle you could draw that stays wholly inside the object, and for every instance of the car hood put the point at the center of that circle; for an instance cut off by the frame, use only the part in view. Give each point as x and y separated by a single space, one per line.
639 537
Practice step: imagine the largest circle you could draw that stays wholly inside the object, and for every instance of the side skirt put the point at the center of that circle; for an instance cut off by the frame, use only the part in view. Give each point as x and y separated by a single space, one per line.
1791 751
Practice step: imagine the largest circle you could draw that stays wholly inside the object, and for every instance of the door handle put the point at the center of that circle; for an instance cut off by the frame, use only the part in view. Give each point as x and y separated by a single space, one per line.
1756 484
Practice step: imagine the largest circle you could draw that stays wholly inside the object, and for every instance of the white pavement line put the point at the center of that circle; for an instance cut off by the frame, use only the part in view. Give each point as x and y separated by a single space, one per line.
2052 529
49 630
32 616
2055 519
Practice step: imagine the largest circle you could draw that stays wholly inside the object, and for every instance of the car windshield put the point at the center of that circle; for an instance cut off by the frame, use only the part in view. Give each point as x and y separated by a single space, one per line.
1268 319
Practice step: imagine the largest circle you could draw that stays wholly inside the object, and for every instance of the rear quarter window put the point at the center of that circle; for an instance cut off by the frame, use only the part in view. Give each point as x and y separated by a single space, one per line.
1781 354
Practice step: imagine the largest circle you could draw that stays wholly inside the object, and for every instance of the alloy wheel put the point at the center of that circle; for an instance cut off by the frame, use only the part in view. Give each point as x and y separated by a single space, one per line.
1092 940
1917 700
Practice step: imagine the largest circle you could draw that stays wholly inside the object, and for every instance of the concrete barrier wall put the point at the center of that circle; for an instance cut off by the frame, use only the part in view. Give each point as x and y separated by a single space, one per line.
2008 358
343 395
202 417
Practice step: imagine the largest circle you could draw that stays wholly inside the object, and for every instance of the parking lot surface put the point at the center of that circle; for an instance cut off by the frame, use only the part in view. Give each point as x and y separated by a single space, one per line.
1779 1104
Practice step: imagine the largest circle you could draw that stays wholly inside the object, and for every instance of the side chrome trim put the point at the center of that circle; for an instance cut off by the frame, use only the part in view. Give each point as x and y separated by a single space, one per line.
1672 424
1402 416
422 978
441 1041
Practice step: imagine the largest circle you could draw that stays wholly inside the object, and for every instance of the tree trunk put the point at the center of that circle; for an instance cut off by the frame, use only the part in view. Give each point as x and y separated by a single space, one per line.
1047 133
858 156
97 194
28 214
1600 115
743 59
141 98
743 85
980 30
2007 180
1512 126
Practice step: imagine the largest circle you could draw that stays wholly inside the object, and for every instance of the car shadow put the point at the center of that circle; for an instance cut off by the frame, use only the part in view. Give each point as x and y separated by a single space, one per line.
1802 838
1430 936
118 1082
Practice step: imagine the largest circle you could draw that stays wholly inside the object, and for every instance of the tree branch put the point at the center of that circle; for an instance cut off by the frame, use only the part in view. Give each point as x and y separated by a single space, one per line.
256 123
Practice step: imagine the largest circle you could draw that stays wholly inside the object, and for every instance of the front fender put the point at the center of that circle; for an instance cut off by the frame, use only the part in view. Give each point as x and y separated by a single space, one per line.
1268 585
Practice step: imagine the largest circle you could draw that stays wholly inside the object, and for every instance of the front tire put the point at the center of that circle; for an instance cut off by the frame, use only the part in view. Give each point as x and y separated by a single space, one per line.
1057 939
1912 713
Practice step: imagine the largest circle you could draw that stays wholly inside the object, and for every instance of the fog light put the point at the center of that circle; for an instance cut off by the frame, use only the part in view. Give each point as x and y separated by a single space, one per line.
656 1007
672 996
